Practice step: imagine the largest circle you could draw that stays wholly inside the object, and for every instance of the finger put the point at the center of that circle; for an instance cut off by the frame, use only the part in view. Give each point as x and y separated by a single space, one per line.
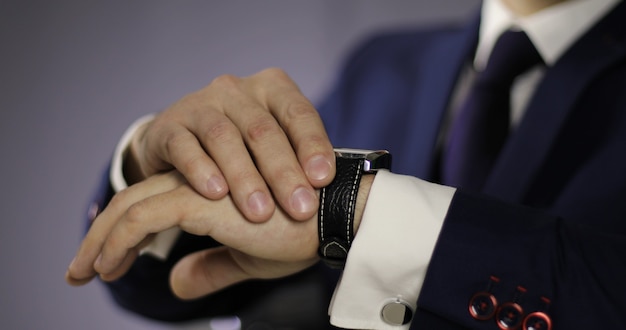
151 215
181 206
122 269
224 143
276 162
127 263
81 270
205 272
303 125
71 280
221 138
270 146
179 147
211 270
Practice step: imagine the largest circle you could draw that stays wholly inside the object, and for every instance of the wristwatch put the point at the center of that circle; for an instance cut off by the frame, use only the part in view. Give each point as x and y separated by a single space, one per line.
338 201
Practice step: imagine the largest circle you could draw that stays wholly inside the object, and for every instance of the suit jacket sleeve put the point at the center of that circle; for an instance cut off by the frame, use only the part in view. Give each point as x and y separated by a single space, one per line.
578 268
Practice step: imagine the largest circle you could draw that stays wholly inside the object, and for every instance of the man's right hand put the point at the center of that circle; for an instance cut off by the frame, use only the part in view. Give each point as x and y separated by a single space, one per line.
257 137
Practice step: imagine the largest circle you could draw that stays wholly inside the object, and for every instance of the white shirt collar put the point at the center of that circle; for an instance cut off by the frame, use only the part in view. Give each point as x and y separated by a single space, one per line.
552 30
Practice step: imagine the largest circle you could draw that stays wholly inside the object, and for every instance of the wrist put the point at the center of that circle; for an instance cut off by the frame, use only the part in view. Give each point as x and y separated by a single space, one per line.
361 200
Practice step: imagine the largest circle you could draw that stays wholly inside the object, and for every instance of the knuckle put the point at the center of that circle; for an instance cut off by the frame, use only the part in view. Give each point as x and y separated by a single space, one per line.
192 165
116 242
285 175
245 178
275 73
225 81
261 129
174 141
245 175
316 142
220 131
135 214
118 200
300 112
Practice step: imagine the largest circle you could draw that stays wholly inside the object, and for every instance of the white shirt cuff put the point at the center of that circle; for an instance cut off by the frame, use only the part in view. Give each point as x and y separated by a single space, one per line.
391 251
116 175
163 242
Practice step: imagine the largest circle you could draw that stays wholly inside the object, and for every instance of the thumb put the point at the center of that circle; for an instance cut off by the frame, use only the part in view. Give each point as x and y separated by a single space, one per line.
204 272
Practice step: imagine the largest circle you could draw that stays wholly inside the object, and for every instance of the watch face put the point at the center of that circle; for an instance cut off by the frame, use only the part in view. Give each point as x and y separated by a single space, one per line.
374 159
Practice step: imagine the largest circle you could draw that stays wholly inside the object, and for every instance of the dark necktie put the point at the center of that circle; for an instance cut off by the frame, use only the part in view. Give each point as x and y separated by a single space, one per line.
479 131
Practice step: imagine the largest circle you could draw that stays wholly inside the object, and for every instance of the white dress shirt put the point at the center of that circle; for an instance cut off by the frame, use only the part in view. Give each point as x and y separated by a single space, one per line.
403 216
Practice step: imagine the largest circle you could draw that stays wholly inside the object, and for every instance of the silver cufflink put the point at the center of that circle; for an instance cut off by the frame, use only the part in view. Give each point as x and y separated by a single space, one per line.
397 312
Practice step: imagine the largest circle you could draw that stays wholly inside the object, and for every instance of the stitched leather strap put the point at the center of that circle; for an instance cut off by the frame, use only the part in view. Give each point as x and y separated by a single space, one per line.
336 214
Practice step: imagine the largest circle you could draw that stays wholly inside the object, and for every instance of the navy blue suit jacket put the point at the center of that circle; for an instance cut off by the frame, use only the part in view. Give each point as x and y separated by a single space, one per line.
552 217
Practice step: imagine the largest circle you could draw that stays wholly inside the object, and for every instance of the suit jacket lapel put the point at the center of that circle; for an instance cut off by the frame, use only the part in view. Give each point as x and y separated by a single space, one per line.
432 93
555 97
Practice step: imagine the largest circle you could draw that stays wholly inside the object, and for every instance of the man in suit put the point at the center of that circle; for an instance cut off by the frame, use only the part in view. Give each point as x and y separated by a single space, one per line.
540 242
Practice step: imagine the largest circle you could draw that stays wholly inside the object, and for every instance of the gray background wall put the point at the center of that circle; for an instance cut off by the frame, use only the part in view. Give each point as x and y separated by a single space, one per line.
74 74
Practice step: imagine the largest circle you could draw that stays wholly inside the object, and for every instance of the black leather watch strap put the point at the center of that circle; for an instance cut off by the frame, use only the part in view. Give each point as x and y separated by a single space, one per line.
336 214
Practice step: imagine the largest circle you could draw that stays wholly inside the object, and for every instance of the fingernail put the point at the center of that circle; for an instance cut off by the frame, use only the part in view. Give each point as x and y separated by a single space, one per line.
318 168
258 202
304 200
71 264
216 184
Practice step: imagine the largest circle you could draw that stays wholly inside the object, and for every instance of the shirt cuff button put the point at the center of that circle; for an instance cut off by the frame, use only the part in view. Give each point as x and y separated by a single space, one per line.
397 313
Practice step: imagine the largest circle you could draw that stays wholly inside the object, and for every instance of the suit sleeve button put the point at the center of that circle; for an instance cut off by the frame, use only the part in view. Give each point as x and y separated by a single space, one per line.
509 316
482 306
537 321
